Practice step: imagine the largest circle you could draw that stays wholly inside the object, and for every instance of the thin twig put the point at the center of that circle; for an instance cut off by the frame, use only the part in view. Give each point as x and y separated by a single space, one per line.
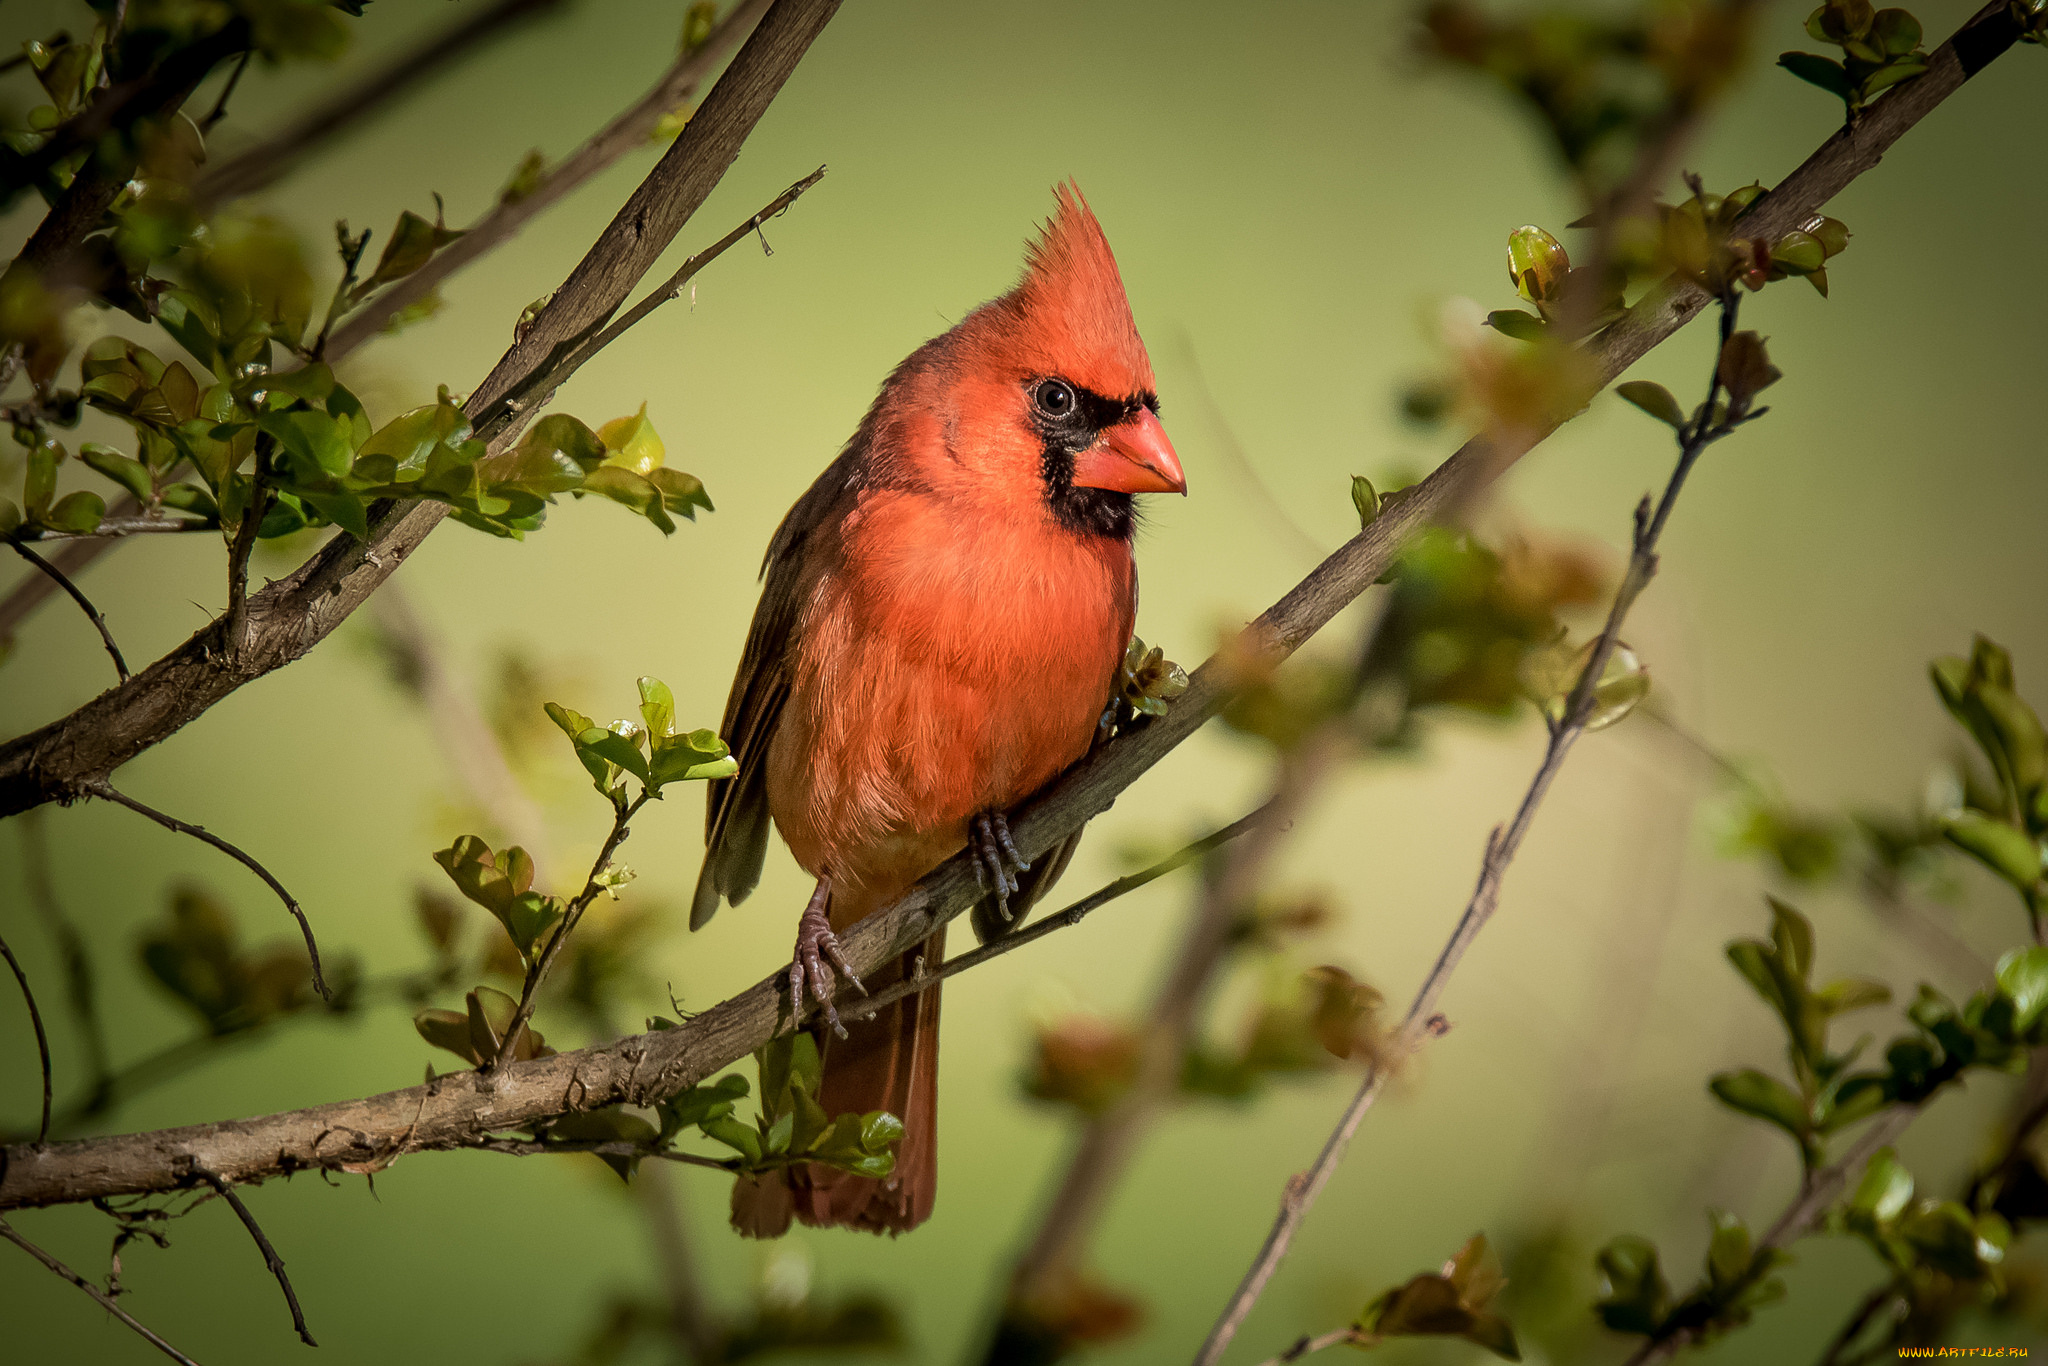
92 613
234 624
628 132
220 106
547 381
35 1018
270 1257
523 1147
539 971
114 527
8 1232
99 787
1062 919
78 974
1309 1346
1501 847
268 161
52 762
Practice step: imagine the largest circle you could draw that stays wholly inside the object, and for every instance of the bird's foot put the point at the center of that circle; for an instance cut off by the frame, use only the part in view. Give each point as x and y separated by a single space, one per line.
817 953
996 858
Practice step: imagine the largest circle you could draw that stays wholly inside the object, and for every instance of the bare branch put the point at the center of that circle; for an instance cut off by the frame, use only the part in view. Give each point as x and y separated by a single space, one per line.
1063 919
78 975
630 130
649 1067
296 613
270 1257
115 527
270 160
1501 846
538 973
35 1017
102 789
106 1301
92 613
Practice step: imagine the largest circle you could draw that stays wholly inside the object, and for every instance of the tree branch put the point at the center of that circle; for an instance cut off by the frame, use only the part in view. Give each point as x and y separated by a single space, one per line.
35 1017
270 1257
61 760
630 130
270 160
1063 919
78 975
92 613
107 792
627 132
539 971
649 1067
106 1301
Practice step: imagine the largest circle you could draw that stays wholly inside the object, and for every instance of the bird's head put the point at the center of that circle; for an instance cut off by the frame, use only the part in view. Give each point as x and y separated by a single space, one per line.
1048 392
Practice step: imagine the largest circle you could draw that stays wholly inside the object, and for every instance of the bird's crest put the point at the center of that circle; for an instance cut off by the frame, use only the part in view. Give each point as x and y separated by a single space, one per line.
1071 304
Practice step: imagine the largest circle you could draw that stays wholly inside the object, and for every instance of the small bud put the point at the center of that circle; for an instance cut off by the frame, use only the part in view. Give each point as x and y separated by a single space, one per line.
1537 263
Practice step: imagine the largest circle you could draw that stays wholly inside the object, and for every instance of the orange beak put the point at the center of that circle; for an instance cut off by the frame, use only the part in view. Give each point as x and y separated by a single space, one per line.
1132 457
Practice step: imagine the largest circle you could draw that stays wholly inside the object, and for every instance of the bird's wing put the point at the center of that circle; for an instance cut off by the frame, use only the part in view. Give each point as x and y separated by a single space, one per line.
736 816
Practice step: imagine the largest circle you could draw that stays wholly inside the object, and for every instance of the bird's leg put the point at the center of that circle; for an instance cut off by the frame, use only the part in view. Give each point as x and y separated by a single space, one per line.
817 953
996 859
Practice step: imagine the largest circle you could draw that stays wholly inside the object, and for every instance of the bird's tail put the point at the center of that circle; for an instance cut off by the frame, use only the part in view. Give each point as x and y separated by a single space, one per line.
890 1062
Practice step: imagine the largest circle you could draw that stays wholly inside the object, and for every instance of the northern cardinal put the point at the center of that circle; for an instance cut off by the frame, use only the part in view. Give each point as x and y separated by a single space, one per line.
938 636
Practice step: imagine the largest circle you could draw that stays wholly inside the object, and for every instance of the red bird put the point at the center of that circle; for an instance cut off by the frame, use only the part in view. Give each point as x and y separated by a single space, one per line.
938 635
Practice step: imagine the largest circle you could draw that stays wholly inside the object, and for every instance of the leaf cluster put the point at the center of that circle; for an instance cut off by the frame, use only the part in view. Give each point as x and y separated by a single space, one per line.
2008 833
1635 1298
650 750
792 1127
1880 49
1456 1302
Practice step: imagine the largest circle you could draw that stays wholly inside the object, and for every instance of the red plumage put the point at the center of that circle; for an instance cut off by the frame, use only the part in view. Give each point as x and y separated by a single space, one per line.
938 634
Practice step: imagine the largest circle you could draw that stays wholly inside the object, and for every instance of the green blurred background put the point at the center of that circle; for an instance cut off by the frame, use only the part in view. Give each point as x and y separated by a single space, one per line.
1292 199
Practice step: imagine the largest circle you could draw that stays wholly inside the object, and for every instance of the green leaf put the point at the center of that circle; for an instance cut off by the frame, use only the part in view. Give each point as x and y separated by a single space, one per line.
1883 1192
680 493
1537 264
1755 1093
1634 1296
77 512
1818 70
1890 75
447 1029
2012 854
413 243
1729 1251
10 516
319 443
1896 31
1798 253
1851 993
615 748
1516 323
697 756
633 443
554 456
741 1138
405 445
1653 399
633 490
657 708
2023 980
1366 499
129 473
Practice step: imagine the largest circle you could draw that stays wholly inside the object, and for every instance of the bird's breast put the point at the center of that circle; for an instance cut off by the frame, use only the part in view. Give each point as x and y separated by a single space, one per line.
945 665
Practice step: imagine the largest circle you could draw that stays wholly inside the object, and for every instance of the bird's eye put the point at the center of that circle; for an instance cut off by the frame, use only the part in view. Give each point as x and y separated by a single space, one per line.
1054 397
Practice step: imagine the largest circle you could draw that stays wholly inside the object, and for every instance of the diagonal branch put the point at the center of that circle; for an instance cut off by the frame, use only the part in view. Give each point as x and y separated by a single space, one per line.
8 1232
630 130
92 613
35 1017
649 1067
107 792
287 619
270 160
271 1260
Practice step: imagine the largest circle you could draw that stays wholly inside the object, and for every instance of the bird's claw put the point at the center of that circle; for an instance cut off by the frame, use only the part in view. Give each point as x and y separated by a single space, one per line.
811 966
997 860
